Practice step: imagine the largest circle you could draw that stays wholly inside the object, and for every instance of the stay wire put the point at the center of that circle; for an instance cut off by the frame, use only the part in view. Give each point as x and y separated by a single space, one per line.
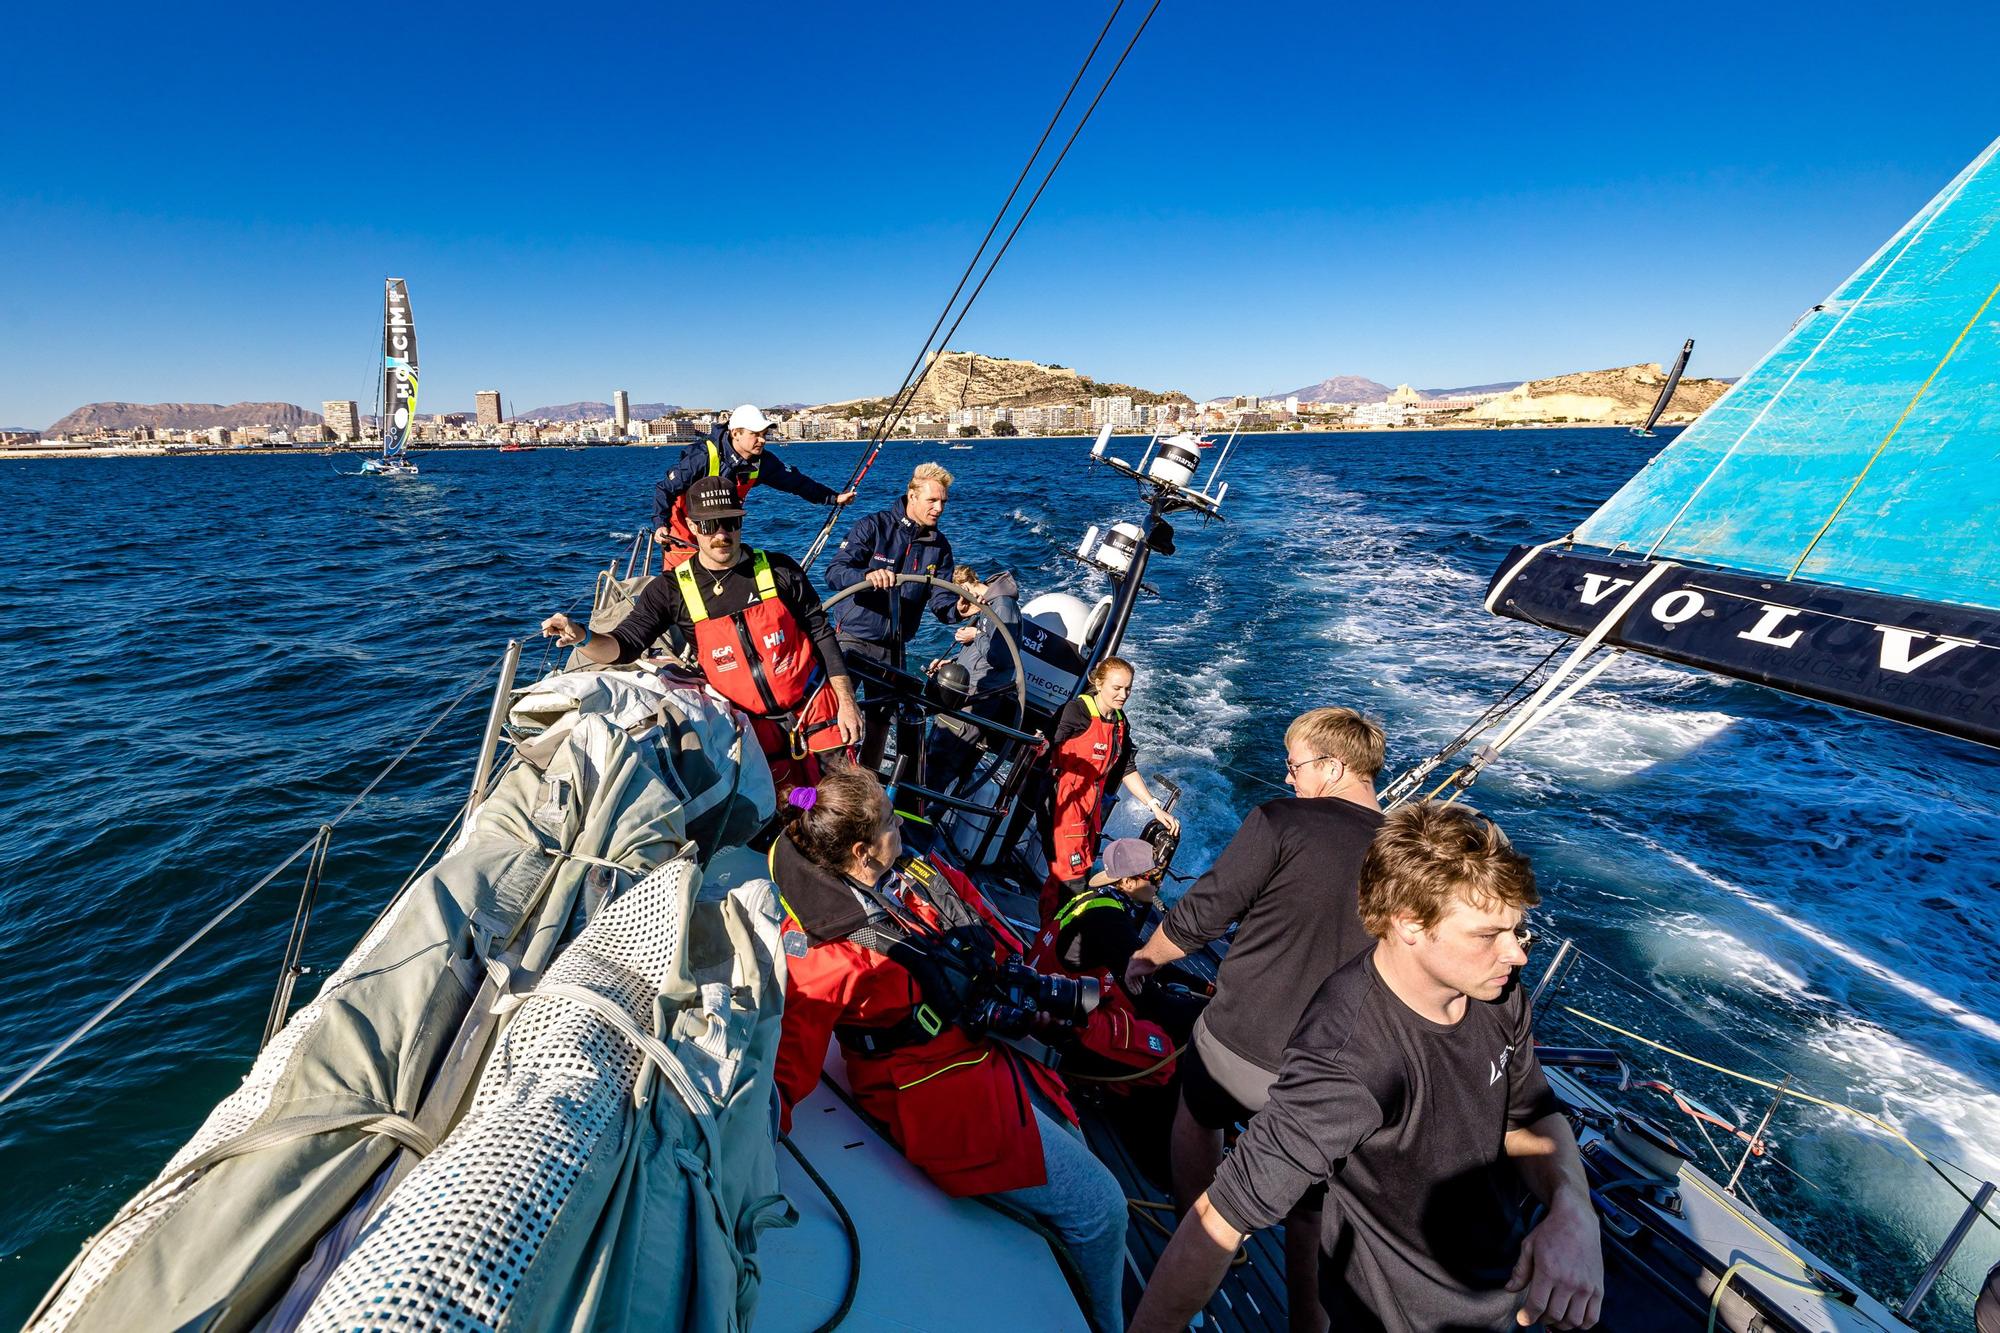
91 1024
921 368
992 227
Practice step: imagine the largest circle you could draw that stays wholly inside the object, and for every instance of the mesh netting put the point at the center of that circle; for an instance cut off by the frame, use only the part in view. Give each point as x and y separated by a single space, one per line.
453 1243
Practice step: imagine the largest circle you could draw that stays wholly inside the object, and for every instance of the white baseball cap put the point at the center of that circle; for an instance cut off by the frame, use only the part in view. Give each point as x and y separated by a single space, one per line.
747 417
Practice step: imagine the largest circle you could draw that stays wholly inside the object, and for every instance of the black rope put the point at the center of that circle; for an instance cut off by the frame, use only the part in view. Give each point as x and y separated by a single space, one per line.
846 1225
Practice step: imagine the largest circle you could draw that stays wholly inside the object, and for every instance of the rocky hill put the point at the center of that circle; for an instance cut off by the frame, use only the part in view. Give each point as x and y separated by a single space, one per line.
1618 397
181 416
972 379
1339 389
595 412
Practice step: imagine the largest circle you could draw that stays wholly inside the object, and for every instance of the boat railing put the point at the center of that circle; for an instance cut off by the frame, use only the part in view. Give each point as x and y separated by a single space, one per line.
1576 994
314 851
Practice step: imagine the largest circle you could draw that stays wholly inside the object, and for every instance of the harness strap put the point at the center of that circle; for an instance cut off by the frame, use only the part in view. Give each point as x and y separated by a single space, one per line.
1084 902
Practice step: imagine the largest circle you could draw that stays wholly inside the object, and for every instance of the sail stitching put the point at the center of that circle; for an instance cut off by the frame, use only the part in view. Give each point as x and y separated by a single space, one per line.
1936 213
1881 448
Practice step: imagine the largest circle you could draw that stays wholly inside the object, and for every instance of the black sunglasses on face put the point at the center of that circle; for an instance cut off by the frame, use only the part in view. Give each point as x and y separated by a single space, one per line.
708 527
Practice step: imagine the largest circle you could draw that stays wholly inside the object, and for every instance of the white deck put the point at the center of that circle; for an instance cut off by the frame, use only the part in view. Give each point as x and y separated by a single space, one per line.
927 1261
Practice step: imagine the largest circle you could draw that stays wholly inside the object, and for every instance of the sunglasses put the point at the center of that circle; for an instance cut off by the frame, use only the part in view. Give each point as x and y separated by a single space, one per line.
708 527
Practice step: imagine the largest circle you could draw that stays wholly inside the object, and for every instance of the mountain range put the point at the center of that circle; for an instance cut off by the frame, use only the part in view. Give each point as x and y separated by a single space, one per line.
182 416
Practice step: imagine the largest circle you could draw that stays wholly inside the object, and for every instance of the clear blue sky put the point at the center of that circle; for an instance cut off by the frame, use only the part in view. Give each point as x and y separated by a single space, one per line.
712 203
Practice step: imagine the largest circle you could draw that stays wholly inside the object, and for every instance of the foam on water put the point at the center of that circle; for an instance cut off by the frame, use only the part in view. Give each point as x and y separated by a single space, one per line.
1814 885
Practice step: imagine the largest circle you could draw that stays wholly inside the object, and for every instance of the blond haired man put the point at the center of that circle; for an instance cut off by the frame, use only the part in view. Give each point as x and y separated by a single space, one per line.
1287 883
879 621
1410 1092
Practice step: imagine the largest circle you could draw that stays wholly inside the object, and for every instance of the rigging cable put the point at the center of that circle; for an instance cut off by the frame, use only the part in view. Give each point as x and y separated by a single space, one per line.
90 1024
920 369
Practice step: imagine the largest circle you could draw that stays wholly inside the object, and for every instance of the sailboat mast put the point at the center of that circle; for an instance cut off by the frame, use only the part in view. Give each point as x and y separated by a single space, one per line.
383 392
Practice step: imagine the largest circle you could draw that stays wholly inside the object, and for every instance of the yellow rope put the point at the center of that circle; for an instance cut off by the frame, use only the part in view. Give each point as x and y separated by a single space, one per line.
1715 1299
1780 1089
1855 485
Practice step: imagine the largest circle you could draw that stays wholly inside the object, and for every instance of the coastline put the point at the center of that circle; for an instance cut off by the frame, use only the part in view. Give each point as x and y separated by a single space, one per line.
252 451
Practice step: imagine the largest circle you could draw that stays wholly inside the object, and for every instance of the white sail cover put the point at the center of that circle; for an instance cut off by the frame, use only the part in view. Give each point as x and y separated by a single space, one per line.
597 1176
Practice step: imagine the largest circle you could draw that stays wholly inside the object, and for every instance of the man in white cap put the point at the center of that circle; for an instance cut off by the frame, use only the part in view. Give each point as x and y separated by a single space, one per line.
739 456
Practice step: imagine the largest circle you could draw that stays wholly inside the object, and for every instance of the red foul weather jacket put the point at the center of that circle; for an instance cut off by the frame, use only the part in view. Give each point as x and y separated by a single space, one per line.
955 1105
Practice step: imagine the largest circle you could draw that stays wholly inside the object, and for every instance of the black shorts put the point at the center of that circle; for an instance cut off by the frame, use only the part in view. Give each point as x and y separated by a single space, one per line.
1206 1100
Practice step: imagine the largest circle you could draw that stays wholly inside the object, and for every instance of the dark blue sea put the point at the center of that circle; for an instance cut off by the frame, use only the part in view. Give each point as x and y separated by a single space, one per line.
213 655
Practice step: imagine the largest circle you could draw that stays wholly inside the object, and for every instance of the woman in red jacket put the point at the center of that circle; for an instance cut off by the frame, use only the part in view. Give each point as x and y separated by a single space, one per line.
865 926
1093 754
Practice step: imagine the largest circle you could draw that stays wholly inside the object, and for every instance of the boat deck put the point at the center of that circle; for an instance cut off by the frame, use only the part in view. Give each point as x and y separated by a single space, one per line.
1251 1298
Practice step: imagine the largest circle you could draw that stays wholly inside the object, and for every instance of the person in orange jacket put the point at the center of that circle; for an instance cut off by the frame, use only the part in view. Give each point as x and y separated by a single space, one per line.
1095 934
877 946
1093 753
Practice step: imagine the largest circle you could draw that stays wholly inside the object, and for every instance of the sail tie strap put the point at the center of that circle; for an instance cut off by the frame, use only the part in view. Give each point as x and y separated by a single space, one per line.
699 1104
289 1130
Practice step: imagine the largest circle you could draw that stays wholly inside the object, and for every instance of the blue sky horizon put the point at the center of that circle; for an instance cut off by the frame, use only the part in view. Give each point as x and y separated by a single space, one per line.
772 203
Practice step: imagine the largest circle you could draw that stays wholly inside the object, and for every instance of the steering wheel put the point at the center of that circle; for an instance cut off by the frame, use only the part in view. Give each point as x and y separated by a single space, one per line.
916 683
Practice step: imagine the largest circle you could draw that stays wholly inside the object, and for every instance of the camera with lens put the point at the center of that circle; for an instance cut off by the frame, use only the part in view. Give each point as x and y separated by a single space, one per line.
1008 1000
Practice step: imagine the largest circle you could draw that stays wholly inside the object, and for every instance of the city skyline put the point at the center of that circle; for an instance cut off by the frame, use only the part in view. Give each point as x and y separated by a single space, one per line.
1254 207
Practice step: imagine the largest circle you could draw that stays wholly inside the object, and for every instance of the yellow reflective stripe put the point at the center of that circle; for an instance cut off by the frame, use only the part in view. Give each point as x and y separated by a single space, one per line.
767 586
905 1087
715 461
1076 907
690 595
1090 702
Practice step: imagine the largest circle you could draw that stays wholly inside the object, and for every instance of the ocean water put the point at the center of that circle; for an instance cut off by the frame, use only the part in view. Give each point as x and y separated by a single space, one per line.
215 654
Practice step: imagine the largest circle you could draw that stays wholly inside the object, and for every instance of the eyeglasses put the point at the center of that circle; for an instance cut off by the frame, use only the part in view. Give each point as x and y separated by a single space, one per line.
708 527
1292 768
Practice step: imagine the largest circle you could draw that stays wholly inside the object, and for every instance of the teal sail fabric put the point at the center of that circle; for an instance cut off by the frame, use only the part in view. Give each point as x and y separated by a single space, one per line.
1864 450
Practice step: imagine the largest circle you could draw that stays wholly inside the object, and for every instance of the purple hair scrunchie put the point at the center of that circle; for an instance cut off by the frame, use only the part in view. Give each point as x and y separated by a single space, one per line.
803 797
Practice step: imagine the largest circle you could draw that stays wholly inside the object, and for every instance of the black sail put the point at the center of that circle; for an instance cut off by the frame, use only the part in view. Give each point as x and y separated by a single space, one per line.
1667 394
399 369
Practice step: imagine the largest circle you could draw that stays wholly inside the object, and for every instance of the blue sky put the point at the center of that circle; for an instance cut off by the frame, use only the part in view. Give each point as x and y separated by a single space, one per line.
771 201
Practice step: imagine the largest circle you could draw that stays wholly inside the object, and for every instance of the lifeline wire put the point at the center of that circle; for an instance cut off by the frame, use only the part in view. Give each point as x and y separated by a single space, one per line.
90 1024
906 396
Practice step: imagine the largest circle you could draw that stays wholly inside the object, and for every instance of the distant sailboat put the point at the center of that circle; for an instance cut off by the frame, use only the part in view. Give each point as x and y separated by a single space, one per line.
1667 394
399 384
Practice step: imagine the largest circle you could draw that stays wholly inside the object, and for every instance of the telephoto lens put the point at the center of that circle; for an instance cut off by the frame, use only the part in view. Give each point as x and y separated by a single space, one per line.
1068 999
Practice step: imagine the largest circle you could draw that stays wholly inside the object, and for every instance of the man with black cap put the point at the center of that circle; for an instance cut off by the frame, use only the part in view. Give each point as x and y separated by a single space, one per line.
758 630
739 457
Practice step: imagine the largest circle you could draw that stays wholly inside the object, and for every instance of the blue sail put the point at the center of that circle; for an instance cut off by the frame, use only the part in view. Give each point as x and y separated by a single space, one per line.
1864 450
1831 527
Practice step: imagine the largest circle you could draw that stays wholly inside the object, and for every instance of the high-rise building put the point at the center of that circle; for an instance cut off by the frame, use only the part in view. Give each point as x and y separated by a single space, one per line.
488 402
621 410
343 418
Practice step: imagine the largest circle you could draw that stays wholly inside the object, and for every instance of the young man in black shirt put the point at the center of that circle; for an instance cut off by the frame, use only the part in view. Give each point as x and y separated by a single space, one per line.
1287 882
755 656
1410 1091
